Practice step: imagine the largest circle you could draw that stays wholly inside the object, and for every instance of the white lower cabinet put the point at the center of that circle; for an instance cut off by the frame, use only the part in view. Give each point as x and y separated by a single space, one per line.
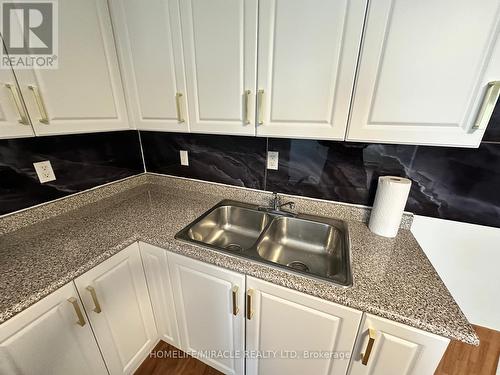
158 278
289 332
385 347
210 306
52 337
116 299
202 309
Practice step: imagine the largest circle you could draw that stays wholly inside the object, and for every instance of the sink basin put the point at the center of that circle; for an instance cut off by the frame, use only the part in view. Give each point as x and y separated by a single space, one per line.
303 245
231 228
300 243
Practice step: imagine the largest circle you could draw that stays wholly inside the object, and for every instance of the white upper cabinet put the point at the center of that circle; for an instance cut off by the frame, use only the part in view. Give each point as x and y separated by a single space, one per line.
148 38
306 65
384 347
289 323
52 337
220 44
423 71
84 94
14 120
116 299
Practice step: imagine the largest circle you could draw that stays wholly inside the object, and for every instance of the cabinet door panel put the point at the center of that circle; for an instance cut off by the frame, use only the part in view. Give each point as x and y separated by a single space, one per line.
307 61
45 339
220 39
84 93
203 301
10 115
160 289
125 327
149 43
294 326
397 349
423 71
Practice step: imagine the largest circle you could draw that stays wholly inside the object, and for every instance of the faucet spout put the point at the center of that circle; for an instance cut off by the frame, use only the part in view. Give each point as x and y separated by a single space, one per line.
276 206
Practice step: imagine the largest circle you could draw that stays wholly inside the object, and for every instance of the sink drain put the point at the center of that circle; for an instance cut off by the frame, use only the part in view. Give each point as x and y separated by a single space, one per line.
233 247
298 266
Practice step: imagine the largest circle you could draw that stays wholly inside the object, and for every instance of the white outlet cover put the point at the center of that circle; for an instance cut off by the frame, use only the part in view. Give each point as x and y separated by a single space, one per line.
184 157
44 171
272 160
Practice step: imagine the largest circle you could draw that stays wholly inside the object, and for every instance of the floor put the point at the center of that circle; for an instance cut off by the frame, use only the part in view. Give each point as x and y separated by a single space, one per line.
170 360
459 359
463 359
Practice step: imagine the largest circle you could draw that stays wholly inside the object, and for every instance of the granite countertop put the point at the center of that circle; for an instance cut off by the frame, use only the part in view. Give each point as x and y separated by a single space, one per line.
44 248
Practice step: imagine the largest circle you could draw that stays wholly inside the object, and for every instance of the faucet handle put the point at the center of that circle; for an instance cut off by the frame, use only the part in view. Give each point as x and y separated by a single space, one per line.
275 201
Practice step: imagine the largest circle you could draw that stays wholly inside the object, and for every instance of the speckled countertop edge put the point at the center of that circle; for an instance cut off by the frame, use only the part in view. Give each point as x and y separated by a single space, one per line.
19 219
278 276
313 206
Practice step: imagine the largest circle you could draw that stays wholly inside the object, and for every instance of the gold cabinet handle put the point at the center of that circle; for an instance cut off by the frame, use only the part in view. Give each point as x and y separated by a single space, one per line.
489 102
236 310
371 340
260 104
247 106
178 98
78 311
16 96
44 117
249 304
97 307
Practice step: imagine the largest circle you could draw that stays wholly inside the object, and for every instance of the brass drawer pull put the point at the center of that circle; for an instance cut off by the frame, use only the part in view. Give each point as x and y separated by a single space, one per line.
78 311
16 96
178 97
97 307
260 104
371 340
236 310
247 107
44 117
249 304
489 101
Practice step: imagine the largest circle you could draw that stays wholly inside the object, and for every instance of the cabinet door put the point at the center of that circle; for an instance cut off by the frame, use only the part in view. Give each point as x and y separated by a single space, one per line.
307 62
204 302
14 120
220 46
149 44
423 71
396 349
116 299
84 94
49 338
155 264
302 334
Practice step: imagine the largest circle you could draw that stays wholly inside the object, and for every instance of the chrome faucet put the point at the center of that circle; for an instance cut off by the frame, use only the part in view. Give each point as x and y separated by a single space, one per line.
275 205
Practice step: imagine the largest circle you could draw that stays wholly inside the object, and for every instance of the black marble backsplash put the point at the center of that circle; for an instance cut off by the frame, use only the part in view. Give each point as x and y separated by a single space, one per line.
79 162
233 160
492 133
450 183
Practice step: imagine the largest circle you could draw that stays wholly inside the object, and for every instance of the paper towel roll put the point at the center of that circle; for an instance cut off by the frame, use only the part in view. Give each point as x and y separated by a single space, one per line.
390 200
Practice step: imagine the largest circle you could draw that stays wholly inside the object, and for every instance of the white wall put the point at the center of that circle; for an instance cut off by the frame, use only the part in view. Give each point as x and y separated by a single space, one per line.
467 258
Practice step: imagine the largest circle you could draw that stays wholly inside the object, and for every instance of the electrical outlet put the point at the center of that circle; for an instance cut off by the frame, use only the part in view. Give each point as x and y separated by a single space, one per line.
184 157
44 171
272 160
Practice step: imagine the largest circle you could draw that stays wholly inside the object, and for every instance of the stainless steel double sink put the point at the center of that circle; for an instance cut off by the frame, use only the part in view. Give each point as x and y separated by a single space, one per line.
306 244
